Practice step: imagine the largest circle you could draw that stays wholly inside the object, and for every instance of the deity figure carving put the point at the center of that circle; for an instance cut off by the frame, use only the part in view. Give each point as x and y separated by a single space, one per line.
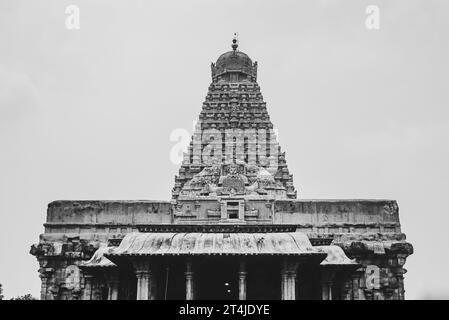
233 179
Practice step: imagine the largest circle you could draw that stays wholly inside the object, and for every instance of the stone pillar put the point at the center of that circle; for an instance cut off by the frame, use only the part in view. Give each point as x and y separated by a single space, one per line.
152 285
398 277
189 280
113 285
355 286
242 280
288 280
146 285
401 291
242 210
327 280
88 280
45 279
167 272
292 285
46 274
113 291
324 291
53 292
346 289
223 210
143 282
284 287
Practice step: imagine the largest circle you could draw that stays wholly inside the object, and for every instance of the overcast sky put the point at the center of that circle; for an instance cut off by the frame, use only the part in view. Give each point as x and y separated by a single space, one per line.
87 114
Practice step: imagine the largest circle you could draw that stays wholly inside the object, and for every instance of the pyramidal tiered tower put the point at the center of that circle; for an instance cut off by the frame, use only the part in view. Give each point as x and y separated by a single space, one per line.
234 132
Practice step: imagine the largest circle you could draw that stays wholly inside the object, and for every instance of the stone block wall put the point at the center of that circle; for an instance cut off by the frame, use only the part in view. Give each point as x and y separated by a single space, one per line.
367 230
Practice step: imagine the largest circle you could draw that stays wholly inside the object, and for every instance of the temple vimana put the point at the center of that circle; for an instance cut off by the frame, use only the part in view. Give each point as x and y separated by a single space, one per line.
234 228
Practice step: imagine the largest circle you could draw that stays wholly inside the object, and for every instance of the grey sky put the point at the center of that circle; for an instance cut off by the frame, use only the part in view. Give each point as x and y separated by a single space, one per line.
87 114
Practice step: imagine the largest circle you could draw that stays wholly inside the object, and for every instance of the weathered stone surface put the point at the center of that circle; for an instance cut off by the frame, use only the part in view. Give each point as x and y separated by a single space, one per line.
241 201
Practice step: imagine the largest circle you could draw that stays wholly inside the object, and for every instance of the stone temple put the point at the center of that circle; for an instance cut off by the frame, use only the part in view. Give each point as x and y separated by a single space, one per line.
234 228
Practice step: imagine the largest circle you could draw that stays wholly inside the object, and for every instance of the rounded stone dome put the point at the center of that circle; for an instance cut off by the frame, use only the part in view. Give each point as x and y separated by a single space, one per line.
234 66
234 60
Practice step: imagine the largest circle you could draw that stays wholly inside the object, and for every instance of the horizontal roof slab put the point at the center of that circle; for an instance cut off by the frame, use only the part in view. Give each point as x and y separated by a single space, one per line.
158 244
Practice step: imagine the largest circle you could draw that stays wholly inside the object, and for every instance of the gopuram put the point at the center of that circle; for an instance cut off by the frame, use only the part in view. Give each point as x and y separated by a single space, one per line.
234 228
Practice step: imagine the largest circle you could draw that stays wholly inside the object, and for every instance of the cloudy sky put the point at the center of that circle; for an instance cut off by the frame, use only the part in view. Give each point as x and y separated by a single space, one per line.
87 114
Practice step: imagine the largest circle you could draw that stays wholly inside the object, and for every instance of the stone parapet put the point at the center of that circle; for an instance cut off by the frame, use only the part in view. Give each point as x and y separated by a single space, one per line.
339 216
108 212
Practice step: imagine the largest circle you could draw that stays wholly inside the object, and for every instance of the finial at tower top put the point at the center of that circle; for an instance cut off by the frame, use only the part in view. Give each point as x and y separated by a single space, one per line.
235 42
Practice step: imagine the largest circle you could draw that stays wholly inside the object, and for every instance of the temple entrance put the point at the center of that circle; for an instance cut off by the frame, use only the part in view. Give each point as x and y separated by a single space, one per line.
216 279
173 282
263 280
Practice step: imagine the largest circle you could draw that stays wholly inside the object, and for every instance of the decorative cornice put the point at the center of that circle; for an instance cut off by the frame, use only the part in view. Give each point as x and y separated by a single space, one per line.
231 228
321 241
315 241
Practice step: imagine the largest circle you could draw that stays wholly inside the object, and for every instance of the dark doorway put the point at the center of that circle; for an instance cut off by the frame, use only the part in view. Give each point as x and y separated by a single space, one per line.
263 279
173 281
308 285
128 284
216 279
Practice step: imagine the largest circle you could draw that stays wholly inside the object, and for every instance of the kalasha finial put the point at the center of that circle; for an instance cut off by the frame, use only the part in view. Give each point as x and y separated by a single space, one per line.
235 42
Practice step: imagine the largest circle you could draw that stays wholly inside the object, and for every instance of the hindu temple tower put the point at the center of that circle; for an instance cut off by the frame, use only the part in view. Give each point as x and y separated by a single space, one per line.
234 228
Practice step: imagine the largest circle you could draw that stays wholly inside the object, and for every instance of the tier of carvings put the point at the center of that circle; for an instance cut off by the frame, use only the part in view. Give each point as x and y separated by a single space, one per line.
232 105
231 180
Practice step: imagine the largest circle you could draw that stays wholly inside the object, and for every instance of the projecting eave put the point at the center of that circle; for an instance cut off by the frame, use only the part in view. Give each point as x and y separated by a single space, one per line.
336 258
99 260
216 244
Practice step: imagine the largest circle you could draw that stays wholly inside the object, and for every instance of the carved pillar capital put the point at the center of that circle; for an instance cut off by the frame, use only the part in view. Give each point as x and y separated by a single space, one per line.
141 266
289 269
145 281
45 274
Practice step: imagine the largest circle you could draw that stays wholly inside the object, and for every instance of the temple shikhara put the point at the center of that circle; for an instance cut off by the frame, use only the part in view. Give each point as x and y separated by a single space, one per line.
234 228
